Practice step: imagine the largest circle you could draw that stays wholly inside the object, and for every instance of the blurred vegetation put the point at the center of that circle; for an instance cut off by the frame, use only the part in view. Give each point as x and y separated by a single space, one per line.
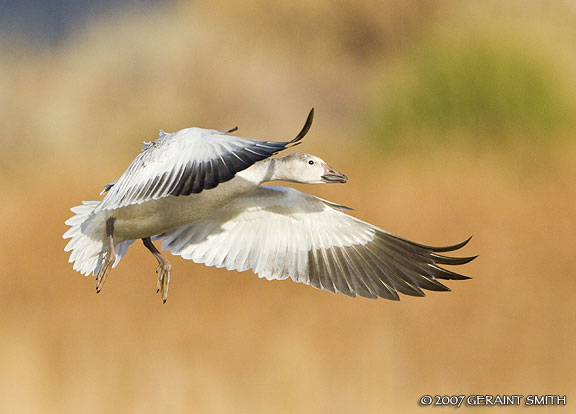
211 64
476 86
398 74
481 85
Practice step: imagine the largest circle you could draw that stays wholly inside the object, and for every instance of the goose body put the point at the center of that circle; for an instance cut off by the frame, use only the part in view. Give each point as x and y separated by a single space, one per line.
152 217
200 193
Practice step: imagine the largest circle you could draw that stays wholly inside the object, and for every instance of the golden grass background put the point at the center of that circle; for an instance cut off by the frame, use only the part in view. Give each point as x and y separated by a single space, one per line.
73 116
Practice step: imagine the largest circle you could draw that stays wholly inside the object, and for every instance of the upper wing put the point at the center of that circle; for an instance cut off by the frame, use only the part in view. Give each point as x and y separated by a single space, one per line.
279 232
189 161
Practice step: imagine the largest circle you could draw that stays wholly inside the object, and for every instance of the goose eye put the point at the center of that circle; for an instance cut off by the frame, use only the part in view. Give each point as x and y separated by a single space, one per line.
311 162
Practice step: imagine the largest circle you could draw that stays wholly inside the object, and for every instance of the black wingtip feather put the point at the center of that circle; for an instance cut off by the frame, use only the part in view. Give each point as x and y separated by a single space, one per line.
436 249
440 273
305 128
433 285
452 260
453 247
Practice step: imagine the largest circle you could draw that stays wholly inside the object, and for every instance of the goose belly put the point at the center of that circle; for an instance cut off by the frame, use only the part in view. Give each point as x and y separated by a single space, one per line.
157 216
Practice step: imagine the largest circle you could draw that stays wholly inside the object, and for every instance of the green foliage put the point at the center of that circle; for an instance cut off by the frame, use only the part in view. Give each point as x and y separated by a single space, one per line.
478 87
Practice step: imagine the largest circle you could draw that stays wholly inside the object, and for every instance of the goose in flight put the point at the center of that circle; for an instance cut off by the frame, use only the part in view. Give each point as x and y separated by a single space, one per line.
200 192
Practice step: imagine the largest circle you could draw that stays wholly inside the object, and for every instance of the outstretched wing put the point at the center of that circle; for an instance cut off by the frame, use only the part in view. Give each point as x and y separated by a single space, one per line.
279 232
189 161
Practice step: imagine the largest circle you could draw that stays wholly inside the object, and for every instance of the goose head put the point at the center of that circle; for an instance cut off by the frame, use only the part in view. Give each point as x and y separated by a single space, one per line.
308 169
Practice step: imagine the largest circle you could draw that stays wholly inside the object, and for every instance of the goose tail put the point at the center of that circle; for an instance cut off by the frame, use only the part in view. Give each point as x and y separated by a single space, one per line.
86 234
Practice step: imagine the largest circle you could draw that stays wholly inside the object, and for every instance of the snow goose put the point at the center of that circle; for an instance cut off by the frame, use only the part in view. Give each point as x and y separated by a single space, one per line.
200 193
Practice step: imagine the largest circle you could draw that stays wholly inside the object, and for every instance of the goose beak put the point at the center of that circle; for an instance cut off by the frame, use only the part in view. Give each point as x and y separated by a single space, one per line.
332 176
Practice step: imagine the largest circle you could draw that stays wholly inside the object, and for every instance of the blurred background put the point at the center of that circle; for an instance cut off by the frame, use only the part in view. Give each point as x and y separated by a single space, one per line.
451 119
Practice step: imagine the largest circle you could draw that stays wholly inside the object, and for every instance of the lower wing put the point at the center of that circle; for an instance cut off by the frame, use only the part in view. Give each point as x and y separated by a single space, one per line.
280 232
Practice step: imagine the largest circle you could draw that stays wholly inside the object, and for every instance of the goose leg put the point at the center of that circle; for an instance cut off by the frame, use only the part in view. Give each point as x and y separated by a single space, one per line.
163 270
110 256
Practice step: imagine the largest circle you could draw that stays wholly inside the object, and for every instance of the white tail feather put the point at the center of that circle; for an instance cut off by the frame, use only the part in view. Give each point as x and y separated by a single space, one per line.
87 244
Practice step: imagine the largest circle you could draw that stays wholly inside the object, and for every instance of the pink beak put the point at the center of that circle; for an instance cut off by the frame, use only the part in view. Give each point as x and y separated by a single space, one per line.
332 176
